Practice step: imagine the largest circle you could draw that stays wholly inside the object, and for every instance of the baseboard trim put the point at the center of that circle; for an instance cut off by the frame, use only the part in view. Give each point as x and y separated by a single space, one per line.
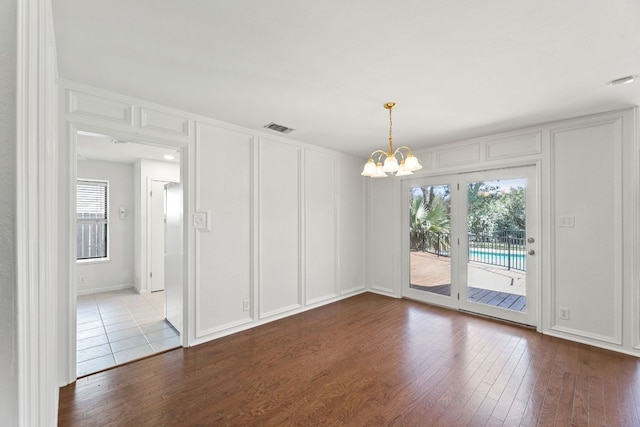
104 289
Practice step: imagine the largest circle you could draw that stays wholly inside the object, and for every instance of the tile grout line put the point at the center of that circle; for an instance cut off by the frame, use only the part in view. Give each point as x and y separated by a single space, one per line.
122 301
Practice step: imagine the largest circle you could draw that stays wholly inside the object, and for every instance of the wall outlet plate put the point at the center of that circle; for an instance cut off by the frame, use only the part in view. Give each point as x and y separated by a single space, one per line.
564 313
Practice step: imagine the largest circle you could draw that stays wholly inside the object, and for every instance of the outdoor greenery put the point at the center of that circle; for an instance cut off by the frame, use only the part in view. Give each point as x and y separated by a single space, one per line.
431 219
492 211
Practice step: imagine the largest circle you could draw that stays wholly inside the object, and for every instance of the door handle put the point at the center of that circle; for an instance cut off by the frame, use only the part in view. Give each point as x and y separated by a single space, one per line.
531 252
531 240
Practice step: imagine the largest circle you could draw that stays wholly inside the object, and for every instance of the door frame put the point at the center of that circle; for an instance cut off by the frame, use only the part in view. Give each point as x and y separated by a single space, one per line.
458 233
69 132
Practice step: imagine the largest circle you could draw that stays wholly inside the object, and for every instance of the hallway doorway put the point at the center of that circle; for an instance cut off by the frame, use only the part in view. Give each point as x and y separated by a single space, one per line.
120 299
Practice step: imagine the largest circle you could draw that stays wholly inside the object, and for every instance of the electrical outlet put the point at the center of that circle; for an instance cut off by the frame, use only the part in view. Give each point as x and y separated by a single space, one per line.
245 305
82 280
564 313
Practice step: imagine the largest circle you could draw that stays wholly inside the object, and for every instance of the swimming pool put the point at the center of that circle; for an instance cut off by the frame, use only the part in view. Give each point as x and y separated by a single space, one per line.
516 260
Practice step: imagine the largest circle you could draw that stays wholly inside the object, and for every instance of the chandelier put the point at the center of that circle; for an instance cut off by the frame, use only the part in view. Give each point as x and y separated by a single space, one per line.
408 162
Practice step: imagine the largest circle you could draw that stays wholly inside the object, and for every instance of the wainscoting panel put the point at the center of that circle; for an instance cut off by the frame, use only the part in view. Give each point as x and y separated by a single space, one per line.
320 225
457 156
279 211
351 227
164 123
97 107
223 254
587 231
514 147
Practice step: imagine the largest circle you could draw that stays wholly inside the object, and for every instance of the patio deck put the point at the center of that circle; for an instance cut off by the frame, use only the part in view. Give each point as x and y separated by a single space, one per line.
431 273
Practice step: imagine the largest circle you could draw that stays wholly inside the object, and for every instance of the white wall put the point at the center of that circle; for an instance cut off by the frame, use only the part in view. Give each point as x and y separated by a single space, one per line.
8 318
224 278
117 272
285 227
588 168
143 171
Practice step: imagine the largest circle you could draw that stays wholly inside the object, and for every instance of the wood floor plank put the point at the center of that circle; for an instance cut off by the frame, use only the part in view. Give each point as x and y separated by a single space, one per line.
506 385
366 360
566 360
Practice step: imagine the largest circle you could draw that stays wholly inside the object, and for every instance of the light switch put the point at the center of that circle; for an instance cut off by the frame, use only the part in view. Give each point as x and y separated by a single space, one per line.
566 221
200 220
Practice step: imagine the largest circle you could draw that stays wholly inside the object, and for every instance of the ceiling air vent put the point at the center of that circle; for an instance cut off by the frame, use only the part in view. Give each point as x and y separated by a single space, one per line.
278 128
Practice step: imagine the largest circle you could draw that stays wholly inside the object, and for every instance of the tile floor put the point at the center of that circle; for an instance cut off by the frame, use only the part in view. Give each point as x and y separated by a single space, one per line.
120 326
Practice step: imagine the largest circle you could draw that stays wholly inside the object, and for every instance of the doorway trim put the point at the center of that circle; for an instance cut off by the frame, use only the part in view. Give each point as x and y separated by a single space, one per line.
35 266
68 137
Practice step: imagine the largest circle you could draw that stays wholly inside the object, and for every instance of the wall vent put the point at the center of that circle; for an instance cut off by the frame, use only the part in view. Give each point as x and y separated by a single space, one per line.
278 128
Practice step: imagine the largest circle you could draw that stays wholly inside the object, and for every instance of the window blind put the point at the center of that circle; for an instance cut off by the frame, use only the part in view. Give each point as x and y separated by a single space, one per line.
91 200
92 210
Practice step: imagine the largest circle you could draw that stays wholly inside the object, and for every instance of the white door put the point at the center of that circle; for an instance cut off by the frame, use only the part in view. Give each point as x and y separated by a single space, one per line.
498 262
472 242
156 207
173 256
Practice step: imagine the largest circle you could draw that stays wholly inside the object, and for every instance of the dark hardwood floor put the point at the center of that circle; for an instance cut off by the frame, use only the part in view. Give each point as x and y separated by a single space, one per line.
367 360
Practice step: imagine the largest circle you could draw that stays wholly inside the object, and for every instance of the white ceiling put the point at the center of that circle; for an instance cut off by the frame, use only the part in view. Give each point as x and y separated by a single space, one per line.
92 146
457 69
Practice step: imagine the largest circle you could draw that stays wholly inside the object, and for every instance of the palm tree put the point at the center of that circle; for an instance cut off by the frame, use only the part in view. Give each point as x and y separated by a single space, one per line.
430 224
417 215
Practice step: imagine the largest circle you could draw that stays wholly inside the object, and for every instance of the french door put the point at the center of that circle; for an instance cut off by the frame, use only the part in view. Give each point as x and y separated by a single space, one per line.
472 242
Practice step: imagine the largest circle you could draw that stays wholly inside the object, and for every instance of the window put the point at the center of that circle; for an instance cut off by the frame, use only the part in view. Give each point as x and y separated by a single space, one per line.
92 206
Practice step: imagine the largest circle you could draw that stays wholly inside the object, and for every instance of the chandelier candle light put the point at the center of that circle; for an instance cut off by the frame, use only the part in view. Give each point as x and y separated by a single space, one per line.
408 162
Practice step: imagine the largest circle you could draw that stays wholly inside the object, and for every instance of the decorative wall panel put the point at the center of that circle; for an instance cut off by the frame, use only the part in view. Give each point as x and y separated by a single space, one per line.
163 122
279 227
98 107
513 147
224 254
457 156
320 217
351 227
587 233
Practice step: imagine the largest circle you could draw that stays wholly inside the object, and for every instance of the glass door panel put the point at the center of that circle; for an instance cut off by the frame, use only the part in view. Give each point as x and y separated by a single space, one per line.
496 243
429 242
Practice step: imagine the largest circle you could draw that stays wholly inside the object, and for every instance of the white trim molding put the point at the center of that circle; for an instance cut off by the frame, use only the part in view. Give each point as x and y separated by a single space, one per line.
36 219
